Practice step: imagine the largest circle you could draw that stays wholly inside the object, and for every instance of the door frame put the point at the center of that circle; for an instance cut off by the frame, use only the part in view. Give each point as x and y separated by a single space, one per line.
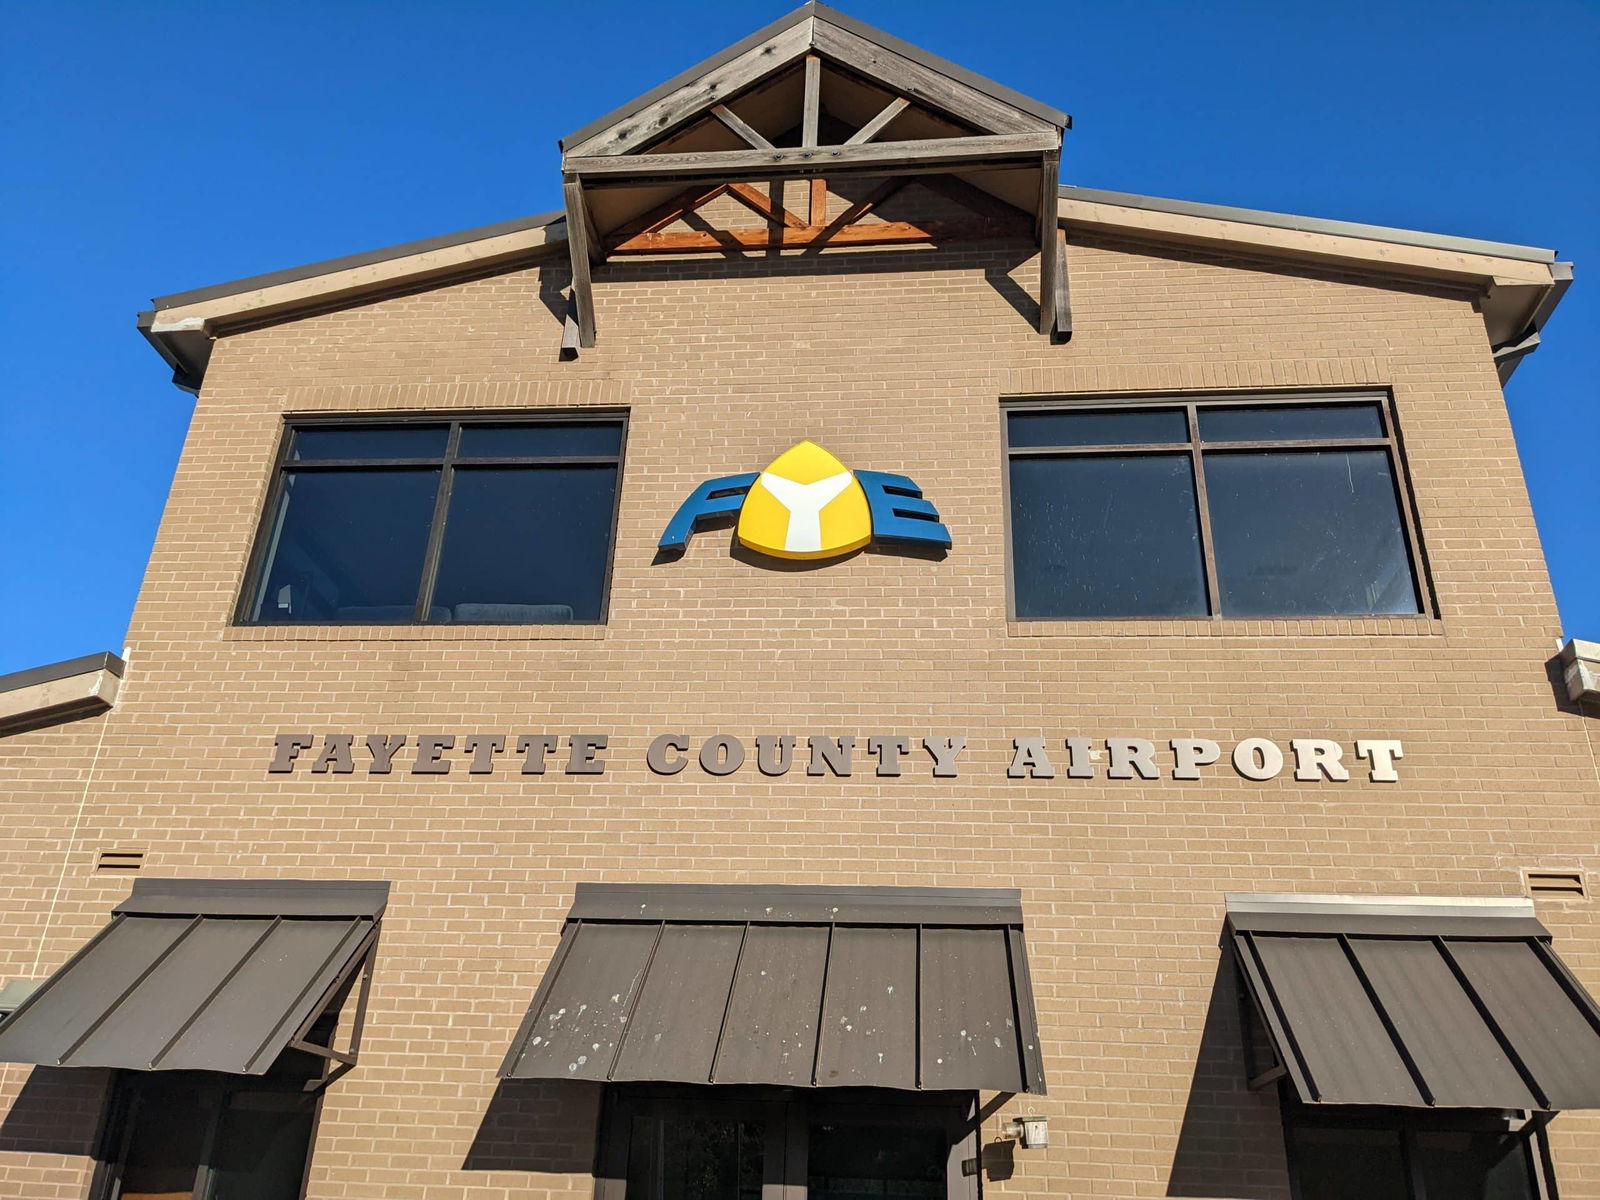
128 1094
788 1112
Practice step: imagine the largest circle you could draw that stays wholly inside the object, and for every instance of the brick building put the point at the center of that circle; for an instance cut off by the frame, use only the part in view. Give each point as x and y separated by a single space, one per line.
833 666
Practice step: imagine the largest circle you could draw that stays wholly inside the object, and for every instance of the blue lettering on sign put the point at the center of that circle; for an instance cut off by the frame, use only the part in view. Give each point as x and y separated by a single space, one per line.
712 499
898 512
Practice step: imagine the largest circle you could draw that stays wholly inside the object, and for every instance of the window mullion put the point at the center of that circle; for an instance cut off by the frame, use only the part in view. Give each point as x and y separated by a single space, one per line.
204 1172
441 511
1213 590
1411 1164
796 1148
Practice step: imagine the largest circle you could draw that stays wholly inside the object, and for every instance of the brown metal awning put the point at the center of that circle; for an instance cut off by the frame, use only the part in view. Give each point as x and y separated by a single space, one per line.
203 974
1417 1002
797 987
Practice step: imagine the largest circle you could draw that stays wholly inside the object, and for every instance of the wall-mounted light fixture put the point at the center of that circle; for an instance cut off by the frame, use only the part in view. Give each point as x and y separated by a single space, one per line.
1032 1132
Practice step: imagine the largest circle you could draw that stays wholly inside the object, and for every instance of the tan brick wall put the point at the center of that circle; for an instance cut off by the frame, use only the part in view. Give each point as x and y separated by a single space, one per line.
894 361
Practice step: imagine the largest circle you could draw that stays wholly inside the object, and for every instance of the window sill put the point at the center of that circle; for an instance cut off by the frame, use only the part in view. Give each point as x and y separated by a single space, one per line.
414 633
1263 627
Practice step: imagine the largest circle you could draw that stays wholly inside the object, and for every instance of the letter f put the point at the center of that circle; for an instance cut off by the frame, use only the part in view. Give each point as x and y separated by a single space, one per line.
712 499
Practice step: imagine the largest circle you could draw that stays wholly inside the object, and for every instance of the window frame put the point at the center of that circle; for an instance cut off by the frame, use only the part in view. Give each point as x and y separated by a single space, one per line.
1406 1124
792 1110
1194 449
127 1095
258 561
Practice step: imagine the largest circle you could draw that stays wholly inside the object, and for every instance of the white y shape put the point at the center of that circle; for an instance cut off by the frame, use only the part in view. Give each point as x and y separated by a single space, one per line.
805 502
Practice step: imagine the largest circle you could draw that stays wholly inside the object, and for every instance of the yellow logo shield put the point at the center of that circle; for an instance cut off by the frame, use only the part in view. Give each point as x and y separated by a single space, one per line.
807 504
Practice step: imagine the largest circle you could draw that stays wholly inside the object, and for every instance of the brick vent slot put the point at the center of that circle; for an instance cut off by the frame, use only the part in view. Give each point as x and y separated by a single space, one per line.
119 860
1555 883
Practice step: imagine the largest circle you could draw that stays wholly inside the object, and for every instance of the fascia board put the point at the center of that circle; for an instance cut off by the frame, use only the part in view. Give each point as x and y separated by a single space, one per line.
342 285
1386 257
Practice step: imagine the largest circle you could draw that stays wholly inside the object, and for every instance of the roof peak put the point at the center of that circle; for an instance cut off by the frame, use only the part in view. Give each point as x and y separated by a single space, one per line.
812 11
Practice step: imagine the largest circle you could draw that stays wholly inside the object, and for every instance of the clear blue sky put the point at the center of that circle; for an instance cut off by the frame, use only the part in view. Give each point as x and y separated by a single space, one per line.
154 147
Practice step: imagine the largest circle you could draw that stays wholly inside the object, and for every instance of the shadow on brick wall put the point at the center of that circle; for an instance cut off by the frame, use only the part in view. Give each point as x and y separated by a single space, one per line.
58 1111
533 1125
1231 1142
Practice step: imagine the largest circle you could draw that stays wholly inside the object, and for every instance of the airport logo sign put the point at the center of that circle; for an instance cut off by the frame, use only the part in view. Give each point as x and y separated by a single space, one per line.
809 505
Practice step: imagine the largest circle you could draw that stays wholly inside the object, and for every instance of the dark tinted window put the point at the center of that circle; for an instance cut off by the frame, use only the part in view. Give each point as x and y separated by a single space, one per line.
370 441
166 1138
1367 1161
568 439
236 1139
1308 533
353 538
1127 427
262 1145
1350 1164
1106 536
1475 1166
1312 529
1291 423
349 546
849 1161
527 545
694 1158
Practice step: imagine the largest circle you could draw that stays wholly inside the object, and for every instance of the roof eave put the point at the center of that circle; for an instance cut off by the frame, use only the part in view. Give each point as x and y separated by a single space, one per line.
182 327
1518 287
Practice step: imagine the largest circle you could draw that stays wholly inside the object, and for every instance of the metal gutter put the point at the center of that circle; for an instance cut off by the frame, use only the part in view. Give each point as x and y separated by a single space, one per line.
1351 229
351 261
58 692
187 373
862 30
1509 355
62 670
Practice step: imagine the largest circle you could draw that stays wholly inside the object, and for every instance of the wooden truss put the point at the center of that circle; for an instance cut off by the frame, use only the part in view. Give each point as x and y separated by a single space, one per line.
939 124
783 230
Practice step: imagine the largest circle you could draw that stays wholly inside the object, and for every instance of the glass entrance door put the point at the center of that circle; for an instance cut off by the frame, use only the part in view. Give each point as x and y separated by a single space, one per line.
709 1150
194 1136
727 1143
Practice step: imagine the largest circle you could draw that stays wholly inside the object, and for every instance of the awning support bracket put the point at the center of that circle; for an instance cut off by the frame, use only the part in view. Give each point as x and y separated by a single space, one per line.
362 960
1257 1074
1246 955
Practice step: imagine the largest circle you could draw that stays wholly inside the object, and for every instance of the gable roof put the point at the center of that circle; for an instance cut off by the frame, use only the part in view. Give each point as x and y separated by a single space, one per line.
861 29
804 97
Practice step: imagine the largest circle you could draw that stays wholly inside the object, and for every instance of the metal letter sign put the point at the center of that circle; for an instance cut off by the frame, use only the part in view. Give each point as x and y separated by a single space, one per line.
808 504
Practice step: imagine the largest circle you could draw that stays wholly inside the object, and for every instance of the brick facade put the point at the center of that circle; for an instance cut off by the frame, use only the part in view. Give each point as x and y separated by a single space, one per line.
896 361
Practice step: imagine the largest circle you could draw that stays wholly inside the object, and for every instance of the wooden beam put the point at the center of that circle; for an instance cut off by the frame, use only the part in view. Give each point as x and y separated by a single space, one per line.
655 120
1063 326
875 126
867 203
813 101
884 233
578 233
819 200
590 237
662 215
570 335
1045 231
734 122
922 84
929 154
753 198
